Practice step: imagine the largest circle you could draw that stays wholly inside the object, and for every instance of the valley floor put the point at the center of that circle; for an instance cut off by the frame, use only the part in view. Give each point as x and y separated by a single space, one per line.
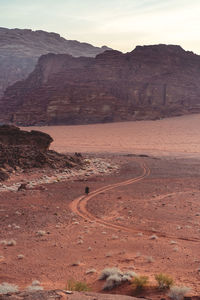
144 217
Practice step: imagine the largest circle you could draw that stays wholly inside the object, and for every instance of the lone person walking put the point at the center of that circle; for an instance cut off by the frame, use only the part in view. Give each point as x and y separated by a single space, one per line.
87 190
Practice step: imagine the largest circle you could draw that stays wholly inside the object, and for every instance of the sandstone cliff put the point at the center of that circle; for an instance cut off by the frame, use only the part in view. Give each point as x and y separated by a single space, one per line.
20 49
148 83
22 150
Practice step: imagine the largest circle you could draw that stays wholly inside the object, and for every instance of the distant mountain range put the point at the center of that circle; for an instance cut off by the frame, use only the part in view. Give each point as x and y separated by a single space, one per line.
150 82
21 48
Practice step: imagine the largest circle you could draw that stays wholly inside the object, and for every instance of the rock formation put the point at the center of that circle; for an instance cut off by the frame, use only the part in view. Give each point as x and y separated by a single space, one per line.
20 49
59 294
148 83
22 150
13 136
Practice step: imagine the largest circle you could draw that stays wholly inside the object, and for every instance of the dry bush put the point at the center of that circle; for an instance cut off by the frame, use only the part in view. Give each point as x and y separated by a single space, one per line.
77 286
112 281
6 288
164 281
35 286
178 292
115 277
140 282
108 272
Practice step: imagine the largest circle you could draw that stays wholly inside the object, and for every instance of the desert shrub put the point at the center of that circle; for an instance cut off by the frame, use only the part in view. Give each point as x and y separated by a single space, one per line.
178 292
128 275
8 288
140 282
112 281
108 272
35 286
164 281
115 277
77 286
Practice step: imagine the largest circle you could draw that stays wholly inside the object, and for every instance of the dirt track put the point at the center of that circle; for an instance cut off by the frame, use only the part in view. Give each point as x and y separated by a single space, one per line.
112 226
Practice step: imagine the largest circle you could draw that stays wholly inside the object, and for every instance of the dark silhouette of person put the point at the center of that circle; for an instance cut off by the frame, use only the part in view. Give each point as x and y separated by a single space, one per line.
87 190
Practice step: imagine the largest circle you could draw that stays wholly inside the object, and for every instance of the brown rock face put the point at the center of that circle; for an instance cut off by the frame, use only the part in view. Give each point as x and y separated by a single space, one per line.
148 83
13 136
54 295
20 49
26 150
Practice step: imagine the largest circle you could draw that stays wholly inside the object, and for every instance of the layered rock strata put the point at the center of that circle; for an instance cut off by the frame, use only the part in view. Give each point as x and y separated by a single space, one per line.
148 83
20 49
21 150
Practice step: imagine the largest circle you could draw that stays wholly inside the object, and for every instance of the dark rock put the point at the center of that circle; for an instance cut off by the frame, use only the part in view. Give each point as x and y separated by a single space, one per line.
3 175
22 187
27 150
151 82
12 135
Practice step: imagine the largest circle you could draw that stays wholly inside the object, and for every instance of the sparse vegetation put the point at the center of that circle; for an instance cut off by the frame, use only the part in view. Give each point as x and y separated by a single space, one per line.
164 281
108 272
178 292
77 286
115 277
35 286
8 288
139 282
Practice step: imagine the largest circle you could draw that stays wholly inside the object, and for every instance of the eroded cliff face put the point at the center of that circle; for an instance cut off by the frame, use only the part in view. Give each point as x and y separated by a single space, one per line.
148 83
21 48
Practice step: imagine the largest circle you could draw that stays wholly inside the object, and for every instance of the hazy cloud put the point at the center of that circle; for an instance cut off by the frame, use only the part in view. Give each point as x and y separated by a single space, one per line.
121 24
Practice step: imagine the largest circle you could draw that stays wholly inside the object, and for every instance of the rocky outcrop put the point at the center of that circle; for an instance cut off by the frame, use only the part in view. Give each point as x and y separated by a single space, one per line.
13 136
54 295
22 150
20 49
148 83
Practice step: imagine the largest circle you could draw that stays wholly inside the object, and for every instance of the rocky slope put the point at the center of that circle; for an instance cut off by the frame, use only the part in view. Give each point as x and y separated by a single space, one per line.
20 49
62 295
148 83
21 150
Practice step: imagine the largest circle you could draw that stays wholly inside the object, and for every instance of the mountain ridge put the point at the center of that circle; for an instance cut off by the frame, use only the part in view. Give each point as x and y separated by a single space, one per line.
21 48
149 82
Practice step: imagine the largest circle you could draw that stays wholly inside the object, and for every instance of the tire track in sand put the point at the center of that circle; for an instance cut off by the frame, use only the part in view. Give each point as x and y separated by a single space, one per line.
79 207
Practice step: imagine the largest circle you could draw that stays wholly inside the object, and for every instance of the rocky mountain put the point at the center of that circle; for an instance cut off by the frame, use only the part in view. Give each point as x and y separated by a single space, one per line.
148 83
20 49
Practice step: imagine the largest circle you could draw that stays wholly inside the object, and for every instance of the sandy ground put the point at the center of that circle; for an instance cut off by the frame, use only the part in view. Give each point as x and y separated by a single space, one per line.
174 136
113 227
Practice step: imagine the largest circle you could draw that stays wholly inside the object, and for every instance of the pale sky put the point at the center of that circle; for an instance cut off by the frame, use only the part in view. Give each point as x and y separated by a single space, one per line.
120 24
